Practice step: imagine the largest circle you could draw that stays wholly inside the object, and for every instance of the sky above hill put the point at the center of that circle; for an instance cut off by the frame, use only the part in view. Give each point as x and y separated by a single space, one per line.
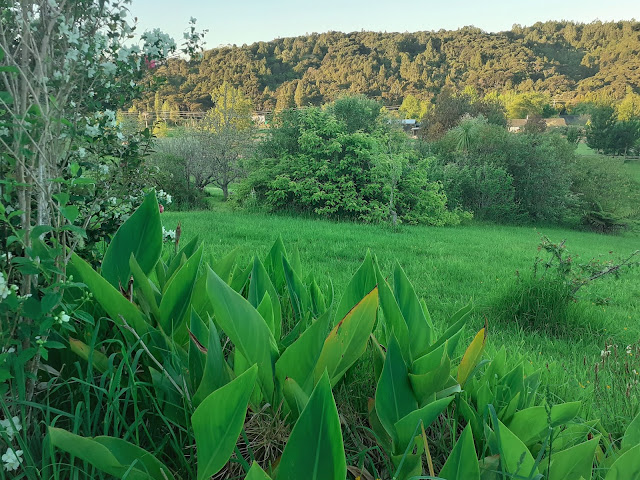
248 21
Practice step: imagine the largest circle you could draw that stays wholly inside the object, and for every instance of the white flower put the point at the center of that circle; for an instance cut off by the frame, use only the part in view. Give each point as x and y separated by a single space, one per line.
168 198
92 130
11 427
109 68
103 169
63 318
120 136
12 459
82 152
4 132
113 200
4 288
605 353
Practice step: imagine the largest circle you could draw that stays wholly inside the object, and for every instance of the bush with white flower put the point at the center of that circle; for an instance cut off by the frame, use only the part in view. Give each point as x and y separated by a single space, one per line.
71 175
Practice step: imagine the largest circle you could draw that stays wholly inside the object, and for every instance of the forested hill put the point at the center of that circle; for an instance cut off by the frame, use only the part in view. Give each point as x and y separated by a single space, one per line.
568 61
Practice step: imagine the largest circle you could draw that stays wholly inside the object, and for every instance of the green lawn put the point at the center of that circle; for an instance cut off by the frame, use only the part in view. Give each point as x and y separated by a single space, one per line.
450 266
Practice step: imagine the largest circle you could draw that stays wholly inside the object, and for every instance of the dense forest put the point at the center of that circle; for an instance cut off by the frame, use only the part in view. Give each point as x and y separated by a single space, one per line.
568 62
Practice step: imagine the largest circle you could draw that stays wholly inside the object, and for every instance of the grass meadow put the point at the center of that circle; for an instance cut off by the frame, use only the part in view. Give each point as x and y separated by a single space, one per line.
451 266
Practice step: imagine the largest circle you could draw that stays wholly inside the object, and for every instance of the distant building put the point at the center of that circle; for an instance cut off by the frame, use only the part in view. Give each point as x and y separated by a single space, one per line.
516 125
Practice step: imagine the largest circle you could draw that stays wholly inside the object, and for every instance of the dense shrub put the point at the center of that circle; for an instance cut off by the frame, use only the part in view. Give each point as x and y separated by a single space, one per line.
504 177
608 200
344 161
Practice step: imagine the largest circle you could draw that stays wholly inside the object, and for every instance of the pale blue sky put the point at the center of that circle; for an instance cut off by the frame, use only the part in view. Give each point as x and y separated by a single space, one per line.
248 21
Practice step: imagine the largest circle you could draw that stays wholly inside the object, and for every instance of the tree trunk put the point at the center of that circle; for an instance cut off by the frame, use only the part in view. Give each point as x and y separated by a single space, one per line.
225 192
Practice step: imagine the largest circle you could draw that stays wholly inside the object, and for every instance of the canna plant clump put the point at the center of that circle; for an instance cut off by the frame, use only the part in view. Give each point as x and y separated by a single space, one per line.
199 346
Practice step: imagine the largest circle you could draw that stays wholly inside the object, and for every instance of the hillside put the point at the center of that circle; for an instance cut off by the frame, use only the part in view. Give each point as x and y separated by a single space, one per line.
568 61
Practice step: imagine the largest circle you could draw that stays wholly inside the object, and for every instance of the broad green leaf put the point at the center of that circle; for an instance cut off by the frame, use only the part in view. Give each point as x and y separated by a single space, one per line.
200 301
265 309
256 473
273 263
471 356
452 334
259 285
427 384
140 235
215 373
218 420
111 455
429 361
532 424
348 339
298 294
98 359
315 449
393 319
198 344
182 256
296 398
420 328
145 290
394 397
224 266
516 458
626 467
240 276
108 297
573 463
363 282
406 426
632 433
177 294
407 467
462 463
246 328
299 360
318 302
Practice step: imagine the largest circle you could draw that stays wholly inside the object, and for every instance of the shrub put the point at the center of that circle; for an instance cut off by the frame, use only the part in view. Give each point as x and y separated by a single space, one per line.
347 162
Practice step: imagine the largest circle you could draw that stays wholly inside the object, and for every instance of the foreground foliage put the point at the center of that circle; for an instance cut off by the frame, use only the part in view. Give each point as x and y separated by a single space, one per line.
273 341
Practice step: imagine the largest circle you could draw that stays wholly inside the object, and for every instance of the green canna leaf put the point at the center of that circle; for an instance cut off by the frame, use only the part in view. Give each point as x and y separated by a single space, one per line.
516 458
107 296
140 235
146 291
273 263
393 318
363 282
315 448
111 455
299 360
259 285
419 326
626 467
216 372
224 266
218 420
348 339
246 328
394 397
575 462
300 300
405 427
256 473
296 398
462 463
532 424
632 433
177 294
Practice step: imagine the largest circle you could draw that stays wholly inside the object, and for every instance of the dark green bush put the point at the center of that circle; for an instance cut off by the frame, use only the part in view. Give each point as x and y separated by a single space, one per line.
345 161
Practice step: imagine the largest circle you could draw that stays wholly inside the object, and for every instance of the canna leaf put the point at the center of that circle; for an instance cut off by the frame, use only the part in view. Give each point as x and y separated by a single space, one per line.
315 448
246 328
472 356
111 455
140 235
348 339
217 423
363 282
462 463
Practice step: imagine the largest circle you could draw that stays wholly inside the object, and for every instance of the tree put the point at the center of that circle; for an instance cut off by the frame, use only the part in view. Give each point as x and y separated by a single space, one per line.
535 124
413 107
